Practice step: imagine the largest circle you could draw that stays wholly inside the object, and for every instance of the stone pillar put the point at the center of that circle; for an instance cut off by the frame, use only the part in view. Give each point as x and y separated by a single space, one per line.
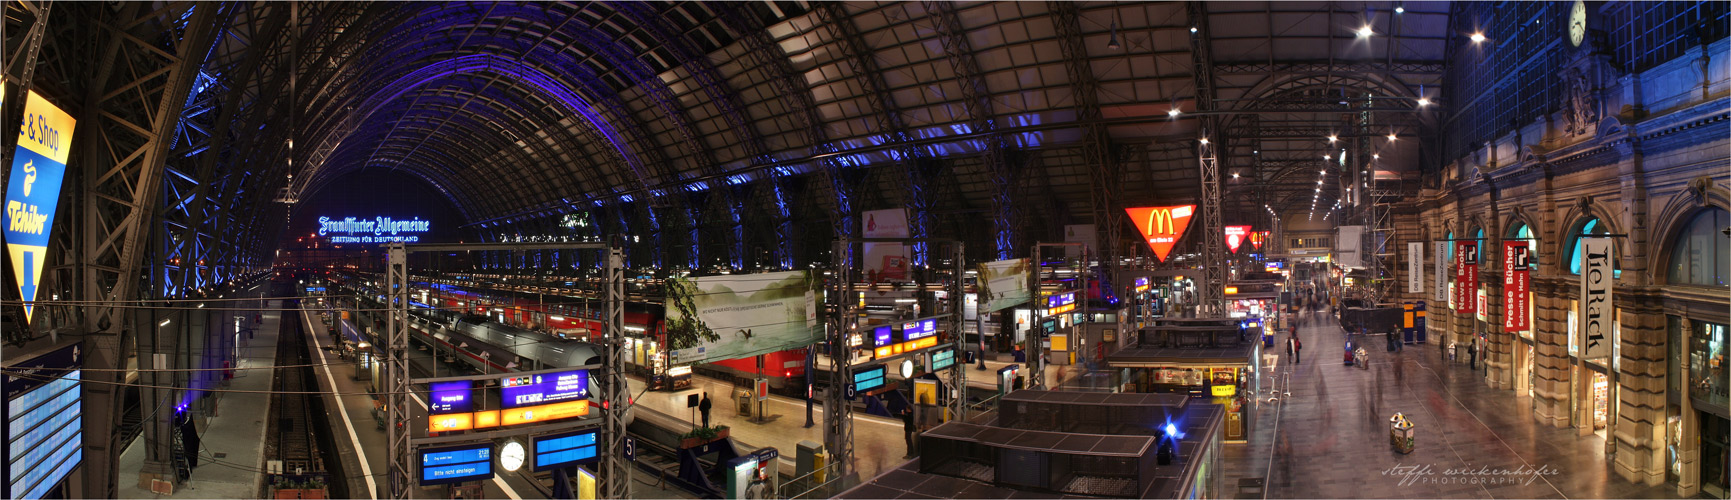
1500 361
1551 352
1639 434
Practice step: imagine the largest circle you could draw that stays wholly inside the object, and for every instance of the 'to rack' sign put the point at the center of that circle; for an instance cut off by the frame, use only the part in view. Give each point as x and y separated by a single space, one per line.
1162 226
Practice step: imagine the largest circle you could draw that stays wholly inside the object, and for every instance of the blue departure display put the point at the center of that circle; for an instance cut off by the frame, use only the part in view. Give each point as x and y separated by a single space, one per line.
44 417
881 335
562 450
868 378
915 330
531 390
943 359
457 464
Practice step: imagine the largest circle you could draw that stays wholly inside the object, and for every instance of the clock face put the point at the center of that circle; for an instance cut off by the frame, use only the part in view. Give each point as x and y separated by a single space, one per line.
511 456
1578 23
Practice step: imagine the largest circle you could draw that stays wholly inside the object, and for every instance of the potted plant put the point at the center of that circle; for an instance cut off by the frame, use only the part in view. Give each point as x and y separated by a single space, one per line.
702 436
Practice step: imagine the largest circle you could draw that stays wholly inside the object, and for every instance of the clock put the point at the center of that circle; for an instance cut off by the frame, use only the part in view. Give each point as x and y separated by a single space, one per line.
907 368
511 456
1578 23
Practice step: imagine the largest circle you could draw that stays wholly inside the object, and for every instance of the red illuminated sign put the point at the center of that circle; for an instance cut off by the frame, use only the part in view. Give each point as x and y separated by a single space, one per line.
1235 236
1466 276
1516 264
1256 239
1162 226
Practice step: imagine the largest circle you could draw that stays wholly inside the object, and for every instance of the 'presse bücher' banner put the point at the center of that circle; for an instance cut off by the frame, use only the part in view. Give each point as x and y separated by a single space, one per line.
1516 284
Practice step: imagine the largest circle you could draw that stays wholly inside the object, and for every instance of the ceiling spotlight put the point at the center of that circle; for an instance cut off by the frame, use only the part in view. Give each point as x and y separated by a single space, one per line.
1399 9
1325 157
1192 29
1477 37
1322 172
1366 32
1235 175
1331 139
1391 137
1205 140
1113 43
1173 112
1376 156
1423 101
1319 182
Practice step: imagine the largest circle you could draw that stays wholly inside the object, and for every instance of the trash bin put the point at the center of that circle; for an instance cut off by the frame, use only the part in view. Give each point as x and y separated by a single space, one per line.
1400 433
743 398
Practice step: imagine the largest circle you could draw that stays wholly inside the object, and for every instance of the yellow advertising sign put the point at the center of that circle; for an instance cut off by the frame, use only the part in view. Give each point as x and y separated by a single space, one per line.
33 191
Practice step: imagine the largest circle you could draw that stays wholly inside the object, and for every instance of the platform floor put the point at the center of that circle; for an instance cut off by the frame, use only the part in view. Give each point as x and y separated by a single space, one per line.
236 432
982 379
1341 413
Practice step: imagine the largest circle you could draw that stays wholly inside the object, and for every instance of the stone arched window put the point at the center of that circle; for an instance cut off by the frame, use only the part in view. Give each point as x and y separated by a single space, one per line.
1699 250
1572 252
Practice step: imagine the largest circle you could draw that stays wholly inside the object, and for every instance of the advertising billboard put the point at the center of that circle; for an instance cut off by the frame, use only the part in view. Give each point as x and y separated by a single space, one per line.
885 261
1161 226
1002 284
33 191
1235 236
717 318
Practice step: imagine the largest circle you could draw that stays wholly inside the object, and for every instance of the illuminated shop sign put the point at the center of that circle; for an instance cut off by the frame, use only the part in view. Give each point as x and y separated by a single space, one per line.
1161 226
1142 285
375 230
1235 237
33 192
530 390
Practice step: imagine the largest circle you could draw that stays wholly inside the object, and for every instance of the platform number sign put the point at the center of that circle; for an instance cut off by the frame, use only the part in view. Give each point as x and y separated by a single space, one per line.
850 392
631 449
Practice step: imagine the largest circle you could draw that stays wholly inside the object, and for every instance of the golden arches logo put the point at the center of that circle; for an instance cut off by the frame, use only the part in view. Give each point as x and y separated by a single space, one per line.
1160 222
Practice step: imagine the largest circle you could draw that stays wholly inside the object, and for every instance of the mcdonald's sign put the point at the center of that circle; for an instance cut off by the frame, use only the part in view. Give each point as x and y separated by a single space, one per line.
1235 236
1162 226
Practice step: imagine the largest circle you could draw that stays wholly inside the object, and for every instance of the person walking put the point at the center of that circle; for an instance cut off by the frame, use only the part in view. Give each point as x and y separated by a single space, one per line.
703 407
1293 348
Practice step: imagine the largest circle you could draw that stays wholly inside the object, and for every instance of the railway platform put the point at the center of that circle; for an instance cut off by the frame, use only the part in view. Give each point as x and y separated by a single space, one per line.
231 461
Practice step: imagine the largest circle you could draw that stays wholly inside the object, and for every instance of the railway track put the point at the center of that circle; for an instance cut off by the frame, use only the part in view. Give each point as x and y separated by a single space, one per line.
297 451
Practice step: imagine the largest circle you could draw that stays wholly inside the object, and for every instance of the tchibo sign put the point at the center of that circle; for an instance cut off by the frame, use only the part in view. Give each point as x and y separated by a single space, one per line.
375 230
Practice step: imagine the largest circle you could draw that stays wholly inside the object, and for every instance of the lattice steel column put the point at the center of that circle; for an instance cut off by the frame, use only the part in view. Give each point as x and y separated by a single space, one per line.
1036 356
1211 295
398 469
615 476
959 369
837 413
977 99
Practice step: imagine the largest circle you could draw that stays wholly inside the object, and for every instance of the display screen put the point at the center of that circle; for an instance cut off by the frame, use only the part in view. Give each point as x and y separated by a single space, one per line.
44 416
450 397
915 330
1061 299
881 335
457 464
943 359
562 450
530 390
868 378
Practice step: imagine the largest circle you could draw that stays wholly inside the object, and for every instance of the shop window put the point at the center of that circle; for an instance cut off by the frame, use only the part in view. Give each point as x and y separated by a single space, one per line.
1479 242
1707 362
1699 252
1451 246
1591 227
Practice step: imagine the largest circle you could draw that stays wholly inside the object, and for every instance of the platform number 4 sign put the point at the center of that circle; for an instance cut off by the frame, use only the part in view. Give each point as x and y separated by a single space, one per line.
631 449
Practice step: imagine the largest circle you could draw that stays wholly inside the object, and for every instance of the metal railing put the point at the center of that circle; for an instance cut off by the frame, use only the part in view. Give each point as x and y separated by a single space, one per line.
809 486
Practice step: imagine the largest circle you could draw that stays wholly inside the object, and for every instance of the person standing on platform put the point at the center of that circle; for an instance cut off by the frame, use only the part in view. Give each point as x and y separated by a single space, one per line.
703 407
1293 348
909 430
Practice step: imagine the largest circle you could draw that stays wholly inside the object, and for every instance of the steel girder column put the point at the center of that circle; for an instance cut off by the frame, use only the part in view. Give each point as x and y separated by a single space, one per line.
615 478
763 52
129 111
837 411
1096 143
860 60
1211 298
977 100
398 469
959 368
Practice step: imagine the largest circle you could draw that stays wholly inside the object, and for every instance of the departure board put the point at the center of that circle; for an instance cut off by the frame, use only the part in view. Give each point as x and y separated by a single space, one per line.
44 415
